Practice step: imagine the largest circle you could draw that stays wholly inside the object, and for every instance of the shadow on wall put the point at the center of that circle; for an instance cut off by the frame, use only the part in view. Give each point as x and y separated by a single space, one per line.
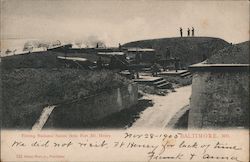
220 96
90 109
119 120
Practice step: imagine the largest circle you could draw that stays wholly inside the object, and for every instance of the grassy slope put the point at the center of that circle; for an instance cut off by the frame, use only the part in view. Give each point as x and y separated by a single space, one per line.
27 91
234 54
189 49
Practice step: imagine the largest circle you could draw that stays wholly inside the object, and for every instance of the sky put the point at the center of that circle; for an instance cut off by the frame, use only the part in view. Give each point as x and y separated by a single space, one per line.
121 21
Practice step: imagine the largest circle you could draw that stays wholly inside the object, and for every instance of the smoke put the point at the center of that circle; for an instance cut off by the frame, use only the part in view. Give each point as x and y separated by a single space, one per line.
33 44
91 41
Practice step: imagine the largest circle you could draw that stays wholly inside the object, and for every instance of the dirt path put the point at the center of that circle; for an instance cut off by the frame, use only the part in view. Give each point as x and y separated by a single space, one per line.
164 108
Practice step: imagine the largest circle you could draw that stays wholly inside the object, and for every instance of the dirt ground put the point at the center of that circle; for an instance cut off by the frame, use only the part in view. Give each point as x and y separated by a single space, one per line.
164 108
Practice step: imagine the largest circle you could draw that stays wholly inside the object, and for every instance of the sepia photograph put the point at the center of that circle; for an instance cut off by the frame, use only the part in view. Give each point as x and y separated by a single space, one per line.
125 65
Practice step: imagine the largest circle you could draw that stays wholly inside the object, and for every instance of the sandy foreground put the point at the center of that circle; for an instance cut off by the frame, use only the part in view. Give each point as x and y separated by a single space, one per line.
164 108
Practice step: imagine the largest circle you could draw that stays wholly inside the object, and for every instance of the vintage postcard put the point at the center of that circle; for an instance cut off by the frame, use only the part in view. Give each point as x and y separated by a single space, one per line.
124 80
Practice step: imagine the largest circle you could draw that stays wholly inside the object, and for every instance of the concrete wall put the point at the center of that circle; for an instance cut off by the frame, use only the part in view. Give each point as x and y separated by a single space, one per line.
74 115
220 96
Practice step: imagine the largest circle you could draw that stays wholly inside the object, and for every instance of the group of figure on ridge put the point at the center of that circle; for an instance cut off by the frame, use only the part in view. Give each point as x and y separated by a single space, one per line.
188 32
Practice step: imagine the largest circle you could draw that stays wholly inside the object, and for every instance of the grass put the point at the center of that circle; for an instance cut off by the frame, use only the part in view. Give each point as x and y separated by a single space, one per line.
27 91
189 50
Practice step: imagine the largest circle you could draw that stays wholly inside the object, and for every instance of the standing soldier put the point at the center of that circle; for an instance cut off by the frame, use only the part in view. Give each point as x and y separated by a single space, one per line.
192 31
120 47
188 32
181 31
14 52
155 69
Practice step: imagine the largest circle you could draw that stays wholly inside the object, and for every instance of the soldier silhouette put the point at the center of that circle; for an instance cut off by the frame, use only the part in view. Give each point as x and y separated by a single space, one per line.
120 47
181 31
192 31
188 32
